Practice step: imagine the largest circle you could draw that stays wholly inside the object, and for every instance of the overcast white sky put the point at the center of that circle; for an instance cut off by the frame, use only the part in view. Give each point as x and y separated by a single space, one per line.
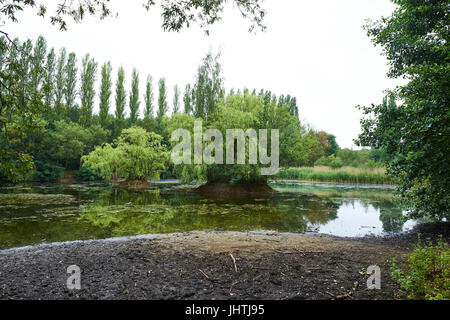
314 50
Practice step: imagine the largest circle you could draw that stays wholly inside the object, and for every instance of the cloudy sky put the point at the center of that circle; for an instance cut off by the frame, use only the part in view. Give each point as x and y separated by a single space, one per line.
314 50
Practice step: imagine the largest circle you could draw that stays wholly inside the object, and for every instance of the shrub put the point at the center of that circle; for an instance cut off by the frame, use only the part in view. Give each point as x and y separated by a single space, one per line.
336 163
428 273
87 174
322 161
47 171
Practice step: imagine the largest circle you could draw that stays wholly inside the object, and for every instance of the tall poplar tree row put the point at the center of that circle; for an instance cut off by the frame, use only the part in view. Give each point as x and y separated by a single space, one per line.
87 92
105 94
134 97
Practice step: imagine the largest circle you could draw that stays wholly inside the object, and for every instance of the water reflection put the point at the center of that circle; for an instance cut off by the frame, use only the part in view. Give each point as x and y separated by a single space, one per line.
32 214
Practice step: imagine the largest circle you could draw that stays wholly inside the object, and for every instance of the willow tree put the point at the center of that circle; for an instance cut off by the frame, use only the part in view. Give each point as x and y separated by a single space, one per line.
214 165
136 155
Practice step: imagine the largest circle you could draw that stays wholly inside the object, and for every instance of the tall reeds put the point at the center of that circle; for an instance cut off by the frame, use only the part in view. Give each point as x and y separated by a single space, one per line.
345 174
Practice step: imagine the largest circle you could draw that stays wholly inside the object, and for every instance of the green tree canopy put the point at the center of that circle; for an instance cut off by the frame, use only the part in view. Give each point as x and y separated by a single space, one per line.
135 155
412 125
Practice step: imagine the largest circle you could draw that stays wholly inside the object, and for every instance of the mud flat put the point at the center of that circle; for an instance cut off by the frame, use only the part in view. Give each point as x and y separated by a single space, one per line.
209 265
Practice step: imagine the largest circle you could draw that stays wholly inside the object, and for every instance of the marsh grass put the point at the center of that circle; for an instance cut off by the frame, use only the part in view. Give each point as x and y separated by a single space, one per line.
344 174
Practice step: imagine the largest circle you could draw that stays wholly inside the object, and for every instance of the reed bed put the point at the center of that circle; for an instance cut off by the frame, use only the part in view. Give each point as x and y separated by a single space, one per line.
344 174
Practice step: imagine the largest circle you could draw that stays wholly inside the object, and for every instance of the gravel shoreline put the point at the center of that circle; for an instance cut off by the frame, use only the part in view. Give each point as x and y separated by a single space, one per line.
202 265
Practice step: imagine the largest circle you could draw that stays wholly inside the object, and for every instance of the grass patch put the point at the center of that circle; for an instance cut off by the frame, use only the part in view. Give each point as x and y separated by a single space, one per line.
345 174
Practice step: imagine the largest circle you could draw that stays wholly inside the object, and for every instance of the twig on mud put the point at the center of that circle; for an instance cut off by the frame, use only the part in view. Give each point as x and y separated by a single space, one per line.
231 288
343 266
308 251
234 262
286 252
257 277
206 276
346 295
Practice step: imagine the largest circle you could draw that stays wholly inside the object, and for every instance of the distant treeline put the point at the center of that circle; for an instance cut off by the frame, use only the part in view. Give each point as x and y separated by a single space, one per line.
65 128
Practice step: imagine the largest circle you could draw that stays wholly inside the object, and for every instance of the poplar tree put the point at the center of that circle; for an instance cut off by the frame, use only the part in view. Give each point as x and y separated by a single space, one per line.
37 66
162 99
87 92
105 94
70 82
120 102
148 98
187 99
25 54
49 79
60 82
208 86
134 97
176 99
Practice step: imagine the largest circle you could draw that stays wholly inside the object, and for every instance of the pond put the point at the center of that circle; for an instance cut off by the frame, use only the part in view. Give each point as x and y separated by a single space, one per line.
44 213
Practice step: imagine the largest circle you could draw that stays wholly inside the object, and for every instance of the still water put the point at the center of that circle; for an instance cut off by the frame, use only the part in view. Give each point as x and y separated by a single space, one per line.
43 213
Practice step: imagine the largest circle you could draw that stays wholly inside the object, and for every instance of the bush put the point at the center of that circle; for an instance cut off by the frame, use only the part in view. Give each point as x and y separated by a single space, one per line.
87 174
330 161
428 272
322 161
47 171
336 163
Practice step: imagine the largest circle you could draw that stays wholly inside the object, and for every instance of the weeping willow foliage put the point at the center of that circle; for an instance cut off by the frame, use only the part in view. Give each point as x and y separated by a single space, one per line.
135 155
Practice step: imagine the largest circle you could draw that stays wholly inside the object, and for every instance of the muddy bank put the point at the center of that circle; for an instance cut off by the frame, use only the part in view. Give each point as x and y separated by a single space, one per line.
206 266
